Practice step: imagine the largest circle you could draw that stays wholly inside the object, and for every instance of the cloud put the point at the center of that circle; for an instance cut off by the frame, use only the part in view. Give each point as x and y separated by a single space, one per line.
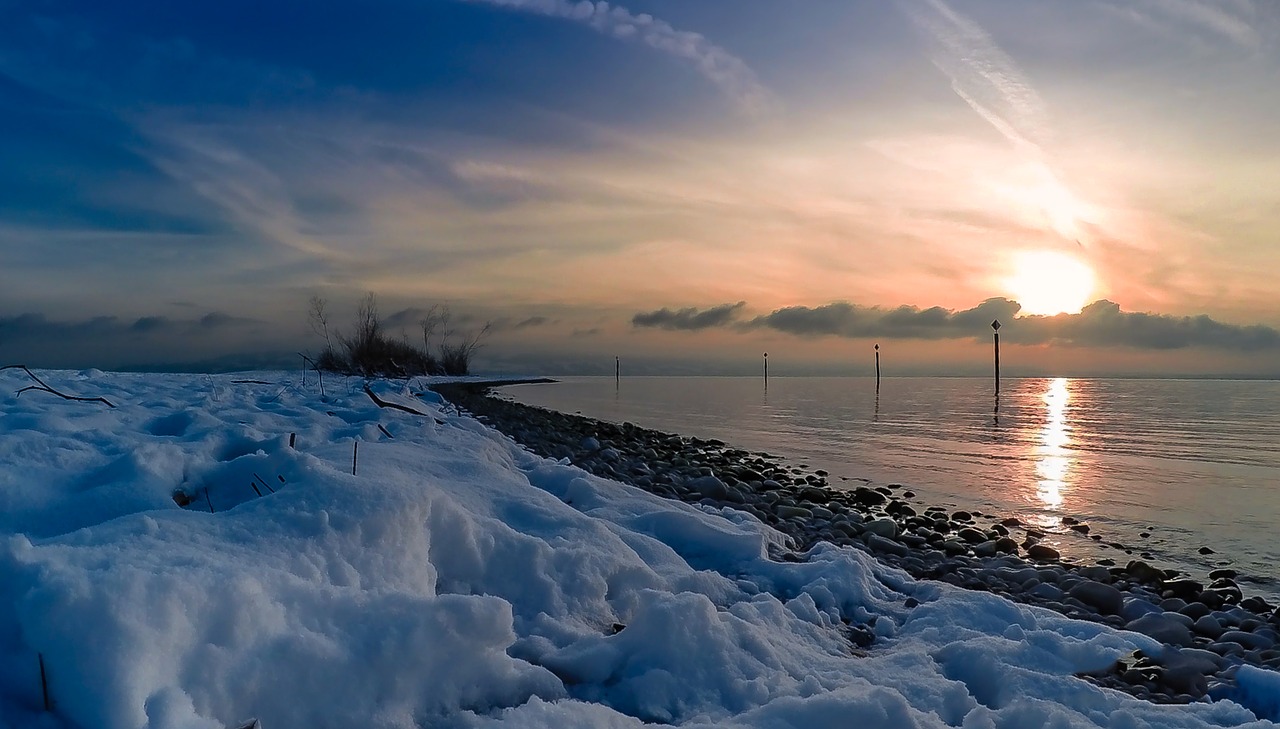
109 341
533 321
843 319
722 68
992 84
690 319
1235 22
1100 324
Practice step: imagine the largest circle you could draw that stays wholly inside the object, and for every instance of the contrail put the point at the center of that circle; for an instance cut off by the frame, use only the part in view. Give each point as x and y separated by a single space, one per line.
983 75
722 68
993 86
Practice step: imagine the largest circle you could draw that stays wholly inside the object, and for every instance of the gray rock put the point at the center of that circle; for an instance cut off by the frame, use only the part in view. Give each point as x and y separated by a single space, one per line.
1042 552
788 512
1163 628
709 487
884 527
1104 598
1045 591
1251 641
590 444
1209 627
881 544
1136 607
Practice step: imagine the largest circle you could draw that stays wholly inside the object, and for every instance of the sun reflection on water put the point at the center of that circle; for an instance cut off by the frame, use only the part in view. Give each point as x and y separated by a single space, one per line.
1053 459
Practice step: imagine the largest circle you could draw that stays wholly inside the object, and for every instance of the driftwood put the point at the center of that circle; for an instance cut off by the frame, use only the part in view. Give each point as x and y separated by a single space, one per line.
251 382
396 406
40 386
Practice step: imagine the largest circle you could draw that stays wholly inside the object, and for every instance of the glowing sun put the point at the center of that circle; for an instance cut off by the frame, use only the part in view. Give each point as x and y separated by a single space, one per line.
1049 282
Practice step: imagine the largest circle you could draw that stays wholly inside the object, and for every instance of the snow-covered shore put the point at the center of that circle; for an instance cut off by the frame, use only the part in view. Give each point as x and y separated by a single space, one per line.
458 580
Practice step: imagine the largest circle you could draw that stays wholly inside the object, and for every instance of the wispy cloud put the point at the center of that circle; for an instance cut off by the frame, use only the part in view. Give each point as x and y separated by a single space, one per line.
727 71
1234 20
983 75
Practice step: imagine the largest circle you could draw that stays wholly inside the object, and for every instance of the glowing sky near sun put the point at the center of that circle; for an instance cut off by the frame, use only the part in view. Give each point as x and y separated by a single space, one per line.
181 178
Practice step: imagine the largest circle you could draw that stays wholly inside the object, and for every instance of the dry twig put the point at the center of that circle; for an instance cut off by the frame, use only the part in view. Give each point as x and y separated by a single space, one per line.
40 386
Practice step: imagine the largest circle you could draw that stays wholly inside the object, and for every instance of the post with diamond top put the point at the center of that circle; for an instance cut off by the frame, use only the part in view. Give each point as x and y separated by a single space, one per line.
877 368
995 328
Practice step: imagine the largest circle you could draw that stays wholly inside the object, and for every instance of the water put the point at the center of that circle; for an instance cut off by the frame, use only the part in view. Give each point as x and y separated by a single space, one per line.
1192 463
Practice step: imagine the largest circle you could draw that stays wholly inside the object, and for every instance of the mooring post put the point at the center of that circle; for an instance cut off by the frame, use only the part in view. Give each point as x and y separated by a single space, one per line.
766 370
617 371
995 328
877 368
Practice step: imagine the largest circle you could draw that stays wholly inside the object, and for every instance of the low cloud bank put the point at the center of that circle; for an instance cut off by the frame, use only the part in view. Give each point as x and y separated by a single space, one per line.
690 319
1100 324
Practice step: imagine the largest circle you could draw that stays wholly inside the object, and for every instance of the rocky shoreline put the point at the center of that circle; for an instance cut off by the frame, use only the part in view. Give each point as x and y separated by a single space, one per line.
1209 630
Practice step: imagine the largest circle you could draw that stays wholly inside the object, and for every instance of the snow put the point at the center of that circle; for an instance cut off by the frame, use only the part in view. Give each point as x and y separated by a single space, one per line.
457 580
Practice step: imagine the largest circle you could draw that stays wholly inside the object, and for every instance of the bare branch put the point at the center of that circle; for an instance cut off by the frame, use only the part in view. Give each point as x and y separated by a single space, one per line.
40 386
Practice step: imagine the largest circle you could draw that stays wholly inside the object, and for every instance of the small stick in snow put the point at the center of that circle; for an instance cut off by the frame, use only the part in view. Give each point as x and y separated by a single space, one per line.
254 486
293 439
355 451
208 500
263 481
44 684
385 431
315 367
251 382
42 387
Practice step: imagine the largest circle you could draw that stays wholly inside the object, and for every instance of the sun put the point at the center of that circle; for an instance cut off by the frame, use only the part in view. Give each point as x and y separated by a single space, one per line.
1050 282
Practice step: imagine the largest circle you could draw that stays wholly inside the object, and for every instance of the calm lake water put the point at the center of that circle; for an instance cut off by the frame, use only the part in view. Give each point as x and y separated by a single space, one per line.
1191 462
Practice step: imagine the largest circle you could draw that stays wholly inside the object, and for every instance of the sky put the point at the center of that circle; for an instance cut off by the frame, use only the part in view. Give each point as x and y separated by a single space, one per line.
684 184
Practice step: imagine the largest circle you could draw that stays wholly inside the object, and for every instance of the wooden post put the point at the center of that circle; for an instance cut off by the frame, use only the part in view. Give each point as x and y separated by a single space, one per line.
617 371
766 370
355 452
877 368
995 328
293 440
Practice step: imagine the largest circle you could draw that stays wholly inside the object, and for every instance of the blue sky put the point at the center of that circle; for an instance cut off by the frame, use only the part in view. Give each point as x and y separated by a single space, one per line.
180 178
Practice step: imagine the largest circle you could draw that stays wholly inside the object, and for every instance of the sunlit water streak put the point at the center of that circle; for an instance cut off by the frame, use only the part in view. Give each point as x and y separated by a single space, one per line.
1192 462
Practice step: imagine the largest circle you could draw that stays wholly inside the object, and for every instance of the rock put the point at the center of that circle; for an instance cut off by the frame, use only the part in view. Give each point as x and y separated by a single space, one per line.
883 527
1206 550
1209 627
1104 598
1005 545
1251 641
590 444
709 487
971 535
1042 552
1161 627
1185 589
1081 528
1045 591
787 511
962 516
882 544
868 497
1136 607
1143 572
1195 610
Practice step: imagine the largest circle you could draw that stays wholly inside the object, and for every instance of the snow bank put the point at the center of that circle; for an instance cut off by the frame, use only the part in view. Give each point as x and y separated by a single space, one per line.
456 580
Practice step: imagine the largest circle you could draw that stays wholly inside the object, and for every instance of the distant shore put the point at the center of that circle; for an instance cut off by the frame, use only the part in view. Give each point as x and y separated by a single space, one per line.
1214 626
